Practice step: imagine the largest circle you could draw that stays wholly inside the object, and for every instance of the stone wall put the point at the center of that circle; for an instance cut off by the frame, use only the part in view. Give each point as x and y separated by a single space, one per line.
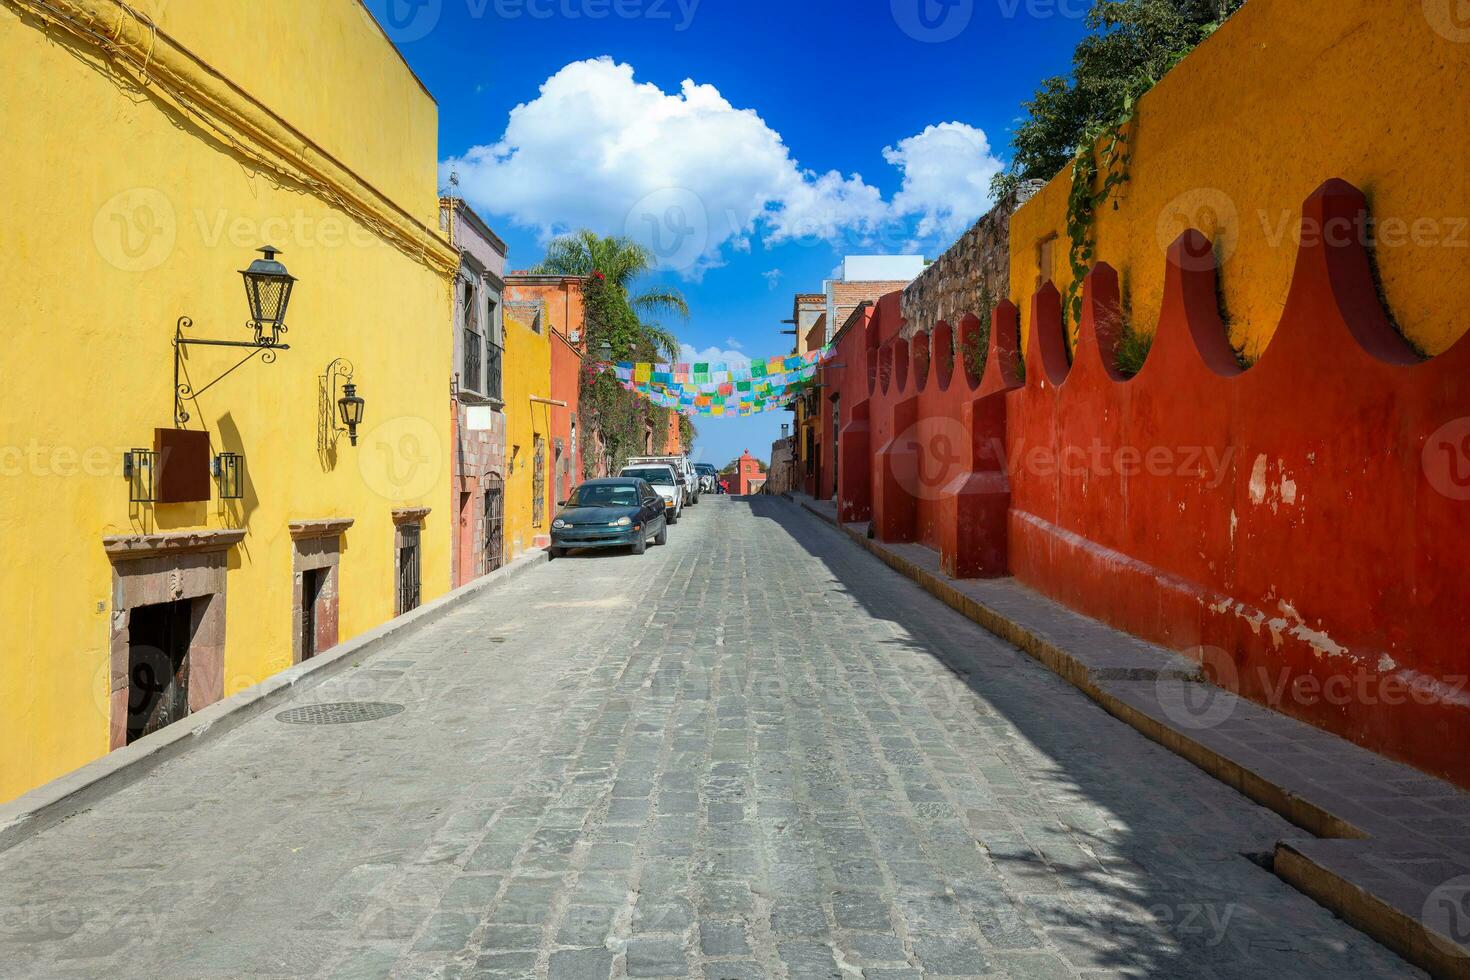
972 276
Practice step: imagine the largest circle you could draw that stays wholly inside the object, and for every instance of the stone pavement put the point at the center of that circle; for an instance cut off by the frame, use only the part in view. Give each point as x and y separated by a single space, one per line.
755 752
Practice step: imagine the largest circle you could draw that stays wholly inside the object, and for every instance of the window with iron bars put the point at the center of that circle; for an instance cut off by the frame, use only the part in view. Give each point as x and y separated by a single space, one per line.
494 355
471 377
538 482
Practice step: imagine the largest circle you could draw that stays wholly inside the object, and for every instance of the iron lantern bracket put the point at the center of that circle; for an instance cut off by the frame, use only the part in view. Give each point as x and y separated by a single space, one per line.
264 347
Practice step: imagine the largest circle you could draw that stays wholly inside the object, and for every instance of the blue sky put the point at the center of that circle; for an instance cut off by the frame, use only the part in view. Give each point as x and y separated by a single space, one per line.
807 129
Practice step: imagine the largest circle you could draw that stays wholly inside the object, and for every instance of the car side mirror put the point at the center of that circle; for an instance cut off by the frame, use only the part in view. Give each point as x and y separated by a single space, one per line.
561 503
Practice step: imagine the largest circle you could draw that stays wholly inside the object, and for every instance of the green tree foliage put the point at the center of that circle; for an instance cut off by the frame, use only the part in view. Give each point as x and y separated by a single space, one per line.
1130 45
619 418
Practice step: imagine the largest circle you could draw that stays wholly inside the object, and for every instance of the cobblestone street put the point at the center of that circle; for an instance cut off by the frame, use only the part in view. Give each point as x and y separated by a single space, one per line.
754 752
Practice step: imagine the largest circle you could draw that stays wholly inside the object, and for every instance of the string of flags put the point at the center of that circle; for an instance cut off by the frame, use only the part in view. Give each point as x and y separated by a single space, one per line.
722 389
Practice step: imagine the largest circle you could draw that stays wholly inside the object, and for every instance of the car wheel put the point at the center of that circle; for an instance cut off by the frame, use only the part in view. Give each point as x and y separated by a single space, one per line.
673 518
554 553
641 545
662 537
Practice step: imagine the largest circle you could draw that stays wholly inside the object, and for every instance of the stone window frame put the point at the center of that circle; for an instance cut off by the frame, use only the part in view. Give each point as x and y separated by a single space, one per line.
407 517
315 545
152 569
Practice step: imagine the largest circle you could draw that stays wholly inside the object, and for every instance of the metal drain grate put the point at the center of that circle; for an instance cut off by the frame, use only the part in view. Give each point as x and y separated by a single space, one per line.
339 713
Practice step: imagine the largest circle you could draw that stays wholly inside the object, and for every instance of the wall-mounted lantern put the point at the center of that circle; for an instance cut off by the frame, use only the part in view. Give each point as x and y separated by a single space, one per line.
785 429
351 407
138 468
268 291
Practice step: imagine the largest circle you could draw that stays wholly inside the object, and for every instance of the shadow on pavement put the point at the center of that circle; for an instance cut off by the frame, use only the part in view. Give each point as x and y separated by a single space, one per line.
1158 889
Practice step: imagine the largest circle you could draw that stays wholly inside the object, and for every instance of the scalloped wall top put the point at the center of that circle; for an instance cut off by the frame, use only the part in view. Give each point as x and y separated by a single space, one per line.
1101 329
1003 354
1190 325
1047 345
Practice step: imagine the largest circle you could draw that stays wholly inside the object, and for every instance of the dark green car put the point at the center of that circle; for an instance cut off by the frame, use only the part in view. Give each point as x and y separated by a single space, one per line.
618 512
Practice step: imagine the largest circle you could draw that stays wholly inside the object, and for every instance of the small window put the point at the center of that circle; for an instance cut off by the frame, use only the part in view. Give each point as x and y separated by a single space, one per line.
1045 259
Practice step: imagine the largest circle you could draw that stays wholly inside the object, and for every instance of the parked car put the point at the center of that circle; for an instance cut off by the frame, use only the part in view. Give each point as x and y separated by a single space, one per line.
612 513
665 481
688 479
709 477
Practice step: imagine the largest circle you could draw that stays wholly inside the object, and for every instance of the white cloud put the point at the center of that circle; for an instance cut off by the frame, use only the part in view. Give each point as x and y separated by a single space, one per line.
773 277
711 355
692 176
946 179
733 343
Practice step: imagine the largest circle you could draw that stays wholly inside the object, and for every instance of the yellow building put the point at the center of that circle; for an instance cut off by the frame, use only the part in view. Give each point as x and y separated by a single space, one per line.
527 373
155 146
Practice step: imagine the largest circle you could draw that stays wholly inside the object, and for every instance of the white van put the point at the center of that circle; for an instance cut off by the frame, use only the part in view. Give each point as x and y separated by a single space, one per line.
688 478
665 479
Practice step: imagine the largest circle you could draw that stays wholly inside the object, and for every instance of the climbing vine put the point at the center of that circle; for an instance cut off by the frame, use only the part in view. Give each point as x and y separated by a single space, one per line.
620 418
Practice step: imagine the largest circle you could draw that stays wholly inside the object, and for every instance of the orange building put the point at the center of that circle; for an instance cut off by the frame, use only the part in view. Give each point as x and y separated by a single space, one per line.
560 302
750 475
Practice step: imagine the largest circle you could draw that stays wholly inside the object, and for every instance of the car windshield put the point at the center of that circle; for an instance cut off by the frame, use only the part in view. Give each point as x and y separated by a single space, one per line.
604 495
653 474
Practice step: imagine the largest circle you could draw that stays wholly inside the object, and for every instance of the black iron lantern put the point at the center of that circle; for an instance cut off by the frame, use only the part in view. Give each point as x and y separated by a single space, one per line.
604 352
268 290
351 406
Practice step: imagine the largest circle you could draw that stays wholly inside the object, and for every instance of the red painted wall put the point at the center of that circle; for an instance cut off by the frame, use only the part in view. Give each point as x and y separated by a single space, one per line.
1299 526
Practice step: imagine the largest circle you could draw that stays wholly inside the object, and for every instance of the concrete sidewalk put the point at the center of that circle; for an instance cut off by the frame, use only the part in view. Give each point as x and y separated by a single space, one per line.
1392 846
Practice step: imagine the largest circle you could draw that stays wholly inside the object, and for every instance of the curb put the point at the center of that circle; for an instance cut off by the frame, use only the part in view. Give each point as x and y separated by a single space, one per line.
76 791
1310 868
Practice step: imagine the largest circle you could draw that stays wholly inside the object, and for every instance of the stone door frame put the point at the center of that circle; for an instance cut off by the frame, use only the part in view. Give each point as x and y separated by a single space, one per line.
151 569
316 545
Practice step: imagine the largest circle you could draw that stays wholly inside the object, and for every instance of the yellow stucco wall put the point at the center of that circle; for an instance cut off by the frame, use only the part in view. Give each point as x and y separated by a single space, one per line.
1286 95
121 216
527 374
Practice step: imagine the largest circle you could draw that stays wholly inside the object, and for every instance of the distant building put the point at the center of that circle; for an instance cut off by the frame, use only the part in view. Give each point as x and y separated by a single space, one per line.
818 318
750 474
478 460
864 278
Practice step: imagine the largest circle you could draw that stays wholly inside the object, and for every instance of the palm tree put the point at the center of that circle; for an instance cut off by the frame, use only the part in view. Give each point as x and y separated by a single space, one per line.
621 262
